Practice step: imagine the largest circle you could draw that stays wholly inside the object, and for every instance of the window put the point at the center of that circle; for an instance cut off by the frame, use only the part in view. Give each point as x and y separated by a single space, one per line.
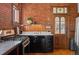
59 10
16 18
59 25
15 14
62 25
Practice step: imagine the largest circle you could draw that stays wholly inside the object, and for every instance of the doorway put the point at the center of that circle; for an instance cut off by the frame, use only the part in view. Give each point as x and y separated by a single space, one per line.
61 32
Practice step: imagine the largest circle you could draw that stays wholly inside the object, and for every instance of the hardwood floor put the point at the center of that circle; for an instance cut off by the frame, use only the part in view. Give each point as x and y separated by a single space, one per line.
56 52
63 52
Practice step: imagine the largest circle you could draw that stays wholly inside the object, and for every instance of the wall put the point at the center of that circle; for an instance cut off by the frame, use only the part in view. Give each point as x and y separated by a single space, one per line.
42 14
5 16
72 18
39 12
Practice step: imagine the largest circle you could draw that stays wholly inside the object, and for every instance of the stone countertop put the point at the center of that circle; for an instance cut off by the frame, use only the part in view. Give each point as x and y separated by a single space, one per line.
8 45
36 33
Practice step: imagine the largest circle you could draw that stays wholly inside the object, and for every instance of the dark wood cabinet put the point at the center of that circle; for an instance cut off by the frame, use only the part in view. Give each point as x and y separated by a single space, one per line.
41 43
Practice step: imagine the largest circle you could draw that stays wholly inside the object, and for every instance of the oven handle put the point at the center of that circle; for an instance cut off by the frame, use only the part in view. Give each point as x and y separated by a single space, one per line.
24 44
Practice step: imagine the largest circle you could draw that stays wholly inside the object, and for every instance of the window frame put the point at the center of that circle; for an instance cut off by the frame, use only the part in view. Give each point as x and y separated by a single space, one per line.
16 14
59 23
56 7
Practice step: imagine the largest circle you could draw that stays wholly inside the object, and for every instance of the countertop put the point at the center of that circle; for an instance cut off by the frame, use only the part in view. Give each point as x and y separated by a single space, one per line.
9 45
36 33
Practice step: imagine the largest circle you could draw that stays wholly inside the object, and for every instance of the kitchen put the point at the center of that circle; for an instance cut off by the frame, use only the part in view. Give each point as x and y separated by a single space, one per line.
39 28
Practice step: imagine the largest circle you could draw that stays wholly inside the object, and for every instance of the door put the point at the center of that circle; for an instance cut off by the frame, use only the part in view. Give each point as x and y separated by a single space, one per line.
61 32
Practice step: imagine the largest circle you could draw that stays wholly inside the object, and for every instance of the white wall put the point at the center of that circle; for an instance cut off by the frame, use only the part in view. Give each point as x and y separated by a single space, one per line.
78 7
77 31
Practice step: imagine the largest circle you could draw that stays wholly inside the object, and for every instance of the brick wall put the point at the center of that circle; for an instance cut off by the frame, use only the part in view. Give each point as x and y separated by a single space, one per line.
39 12
5 16
42 13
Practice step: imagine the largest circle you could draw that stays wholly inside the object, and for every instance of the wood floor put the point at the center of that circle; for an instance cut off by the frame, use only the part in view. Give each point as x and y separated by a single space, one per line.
57 52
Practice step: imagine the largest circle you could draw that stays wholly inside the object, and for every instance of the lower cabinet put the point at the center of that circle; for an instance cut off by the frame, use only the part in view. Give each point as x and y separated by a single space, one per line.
37 44
19 50
41 43
16 51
